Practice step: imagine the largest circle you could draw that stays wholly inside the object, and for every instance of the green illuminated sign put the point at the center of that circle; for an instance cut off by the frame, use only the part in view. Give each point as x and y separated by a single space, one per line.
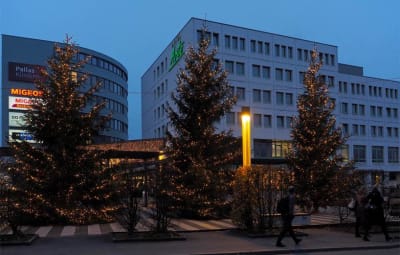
176 54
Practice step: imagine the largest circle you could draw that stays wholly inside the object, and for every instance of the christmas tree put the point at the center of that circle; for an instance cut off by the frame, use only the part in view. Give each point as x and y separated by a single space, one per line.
199 154
63 182
314 158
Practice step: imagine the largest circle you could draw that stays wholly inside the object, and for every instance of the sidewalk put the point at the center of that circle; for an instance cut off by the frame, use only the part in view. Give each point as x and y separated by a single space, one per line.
213 242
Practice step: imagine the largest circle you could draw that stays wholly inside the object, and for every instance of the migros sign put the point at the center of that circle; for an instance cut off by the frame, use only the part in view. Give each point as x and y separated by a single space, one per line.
26 92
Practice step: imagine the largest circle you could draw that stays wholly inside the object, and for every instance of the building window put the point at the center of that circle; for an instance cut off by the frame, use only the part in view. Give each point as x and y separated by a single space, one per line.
283 48
363 131
230 118
388 112
393 154
266 72
256 70
290 52
267 49
229 66
242 44
301 77
288 75
279 98
354 109
289 98
373 130
331 81
377 154
379 111
267 121
239 68
262 148
277 50
260 47
234 43
306 55
266 96
253 46
256 96
380 131
343 108
344 152
372 111
215 40
240 94
280 121
227 41
279 74
345 129
257 120
299 54
289 122
280 149
354 130
359 153
389 131
361 109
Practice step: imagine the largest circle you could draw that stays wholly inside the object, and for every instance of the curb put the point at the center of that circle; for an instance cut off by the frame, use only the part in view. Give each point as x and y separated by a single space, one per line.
307 250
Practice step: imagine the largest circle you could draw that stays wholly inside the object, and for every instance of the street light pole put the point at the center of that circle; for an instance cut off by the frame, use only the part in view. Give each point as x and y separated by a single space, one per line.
246 148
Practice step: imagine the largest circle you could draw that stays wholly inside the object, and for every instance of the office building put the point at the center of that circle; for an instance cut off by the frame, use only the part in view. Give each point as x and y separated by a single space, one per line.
21 60
266 72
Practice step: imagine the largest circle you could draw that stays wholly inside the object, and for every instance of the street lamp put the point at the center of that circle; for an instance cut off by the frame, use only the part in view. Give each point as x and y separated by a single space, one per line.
246 149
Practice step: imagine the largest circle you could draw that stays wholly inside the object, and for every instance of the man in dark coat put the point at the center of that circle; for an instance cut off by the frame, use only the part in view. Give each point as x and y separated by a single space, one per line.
287 215
375 213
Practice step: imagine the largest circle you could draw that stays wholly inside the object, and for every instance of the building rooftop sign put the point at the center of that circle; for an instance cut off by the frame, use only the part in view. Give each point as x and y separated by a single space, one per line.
177 52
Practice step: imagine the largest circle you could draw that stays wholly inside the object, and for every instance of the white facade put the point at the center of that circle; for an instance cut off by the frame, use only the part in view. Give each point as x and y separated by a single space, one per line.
265 71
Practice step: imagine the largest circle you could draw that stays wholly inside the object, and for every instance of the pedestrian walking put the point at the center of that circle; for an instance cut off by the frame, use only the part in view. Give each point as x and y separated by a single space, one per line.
286 209
359 210
375 213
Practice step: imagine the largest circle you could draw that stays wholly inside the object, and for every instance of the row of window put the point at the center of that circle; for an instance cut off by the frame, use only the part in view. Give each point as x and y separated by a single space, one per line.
375 111
159 112
375 131
278 149
262 47
264 72
264 96
161 90
305 55
104 64
117 125
260 120
373 91
112 105
160 69
108 85
258 71
377 154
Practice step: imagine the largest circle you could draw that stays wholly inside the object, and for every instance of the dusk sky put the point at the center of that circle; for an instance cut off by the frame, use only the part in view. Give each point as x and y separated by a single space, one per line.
135 32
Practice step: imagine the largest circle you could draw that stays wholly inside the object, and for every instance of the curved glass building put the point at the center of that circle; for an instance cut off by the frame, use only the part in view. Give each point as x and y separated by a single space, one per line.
21 60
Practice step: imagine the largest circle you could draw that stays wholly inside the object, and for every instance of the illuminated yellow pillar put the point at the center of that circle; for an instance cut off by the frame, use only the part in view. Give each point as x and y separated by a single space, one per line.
246 147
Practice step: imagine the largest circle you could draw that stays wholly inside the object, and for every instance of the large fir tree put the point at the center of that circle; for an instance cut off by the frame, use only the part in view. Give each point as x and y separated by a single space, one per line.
198 152
318 167
62 181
